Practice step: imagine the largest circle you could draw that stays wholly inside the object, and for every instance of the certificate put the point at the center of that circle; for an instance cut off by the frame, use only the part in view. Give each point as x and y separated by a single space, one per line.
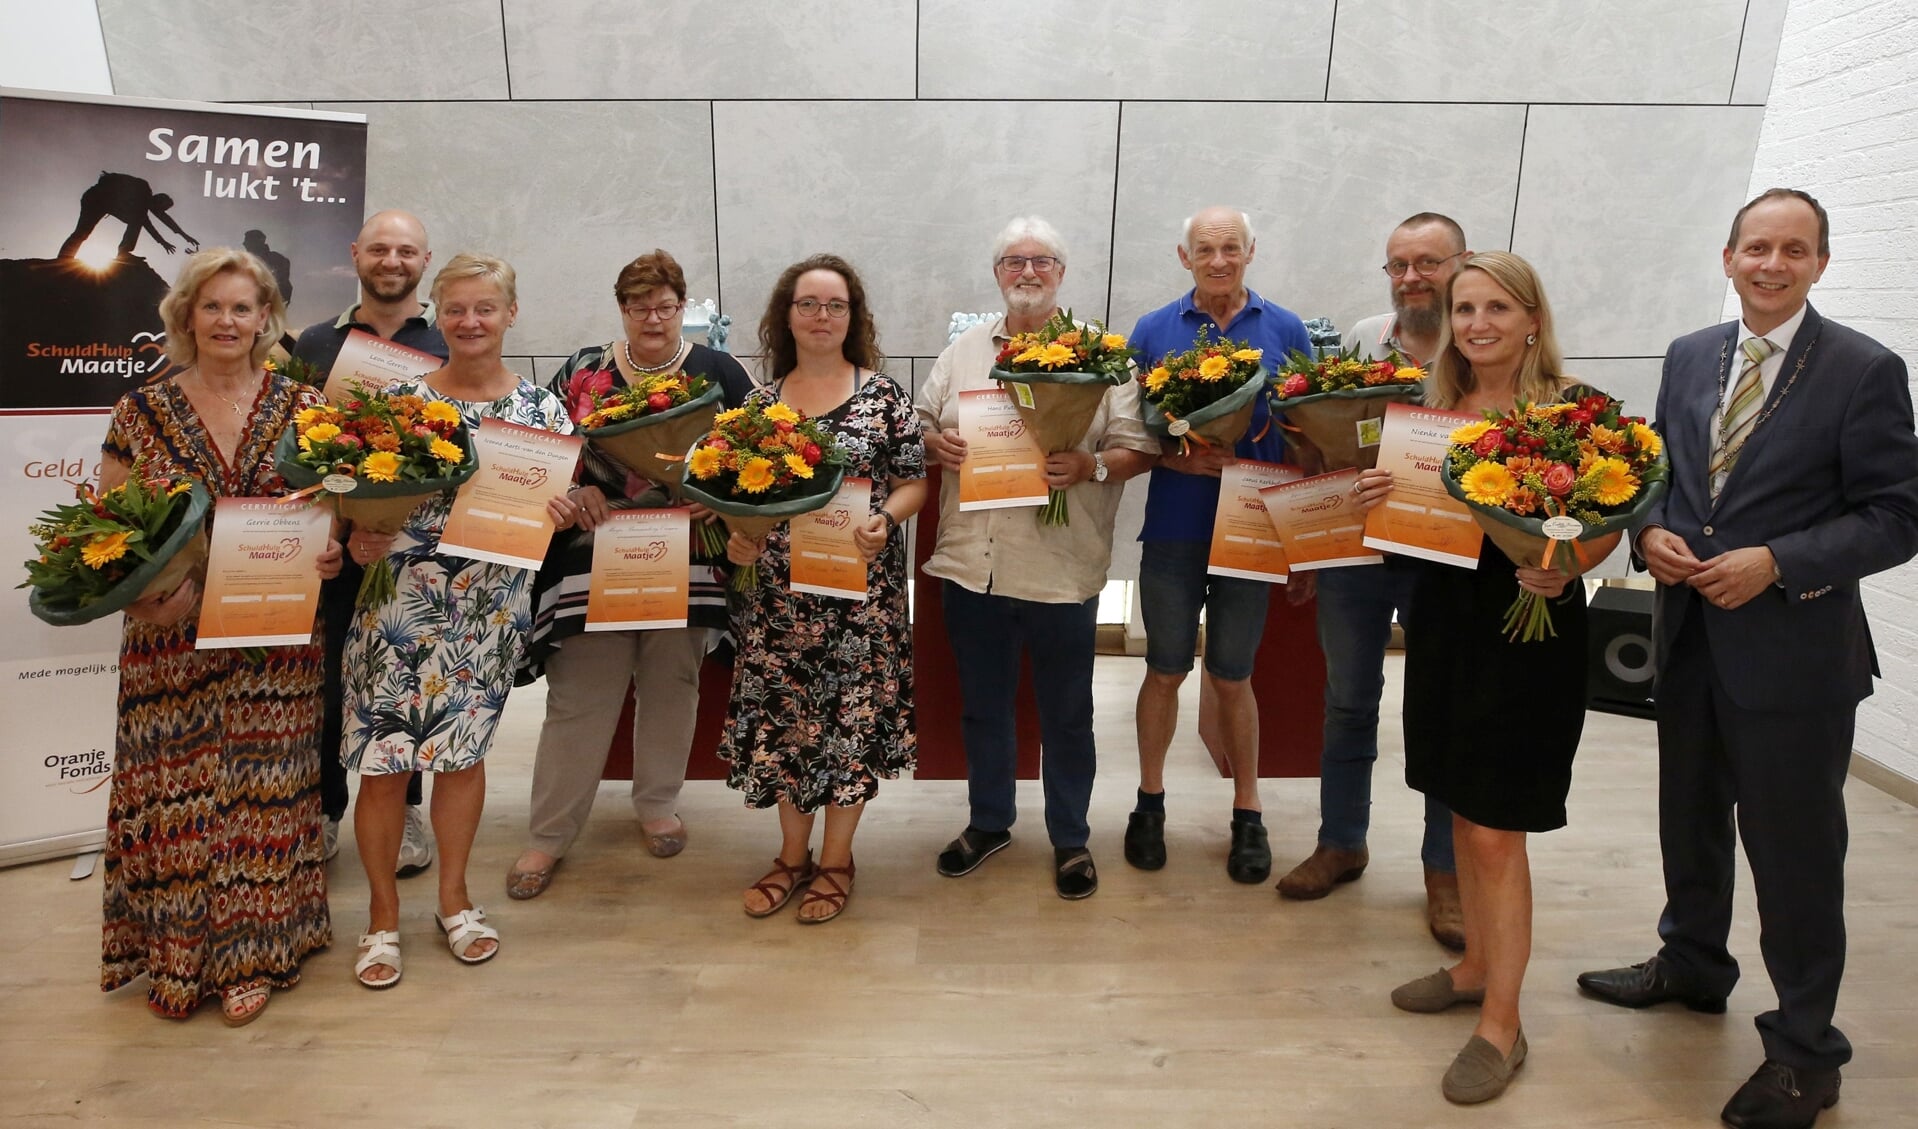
261 587
500 514
825 561
1418 518
374 363
1319 522
1004 466
642 564
1243 541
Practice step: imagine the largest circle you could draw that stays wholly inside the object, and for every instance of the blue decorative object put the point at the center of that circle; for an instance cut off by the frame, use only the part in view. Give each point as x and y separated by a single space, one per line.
705 317
963 322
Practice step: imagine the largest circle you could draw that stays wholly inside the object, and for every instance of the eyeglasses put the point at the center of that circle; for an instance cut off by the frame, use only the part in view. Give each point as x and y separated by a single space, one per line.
1426 268
1016 264
654 313
810 307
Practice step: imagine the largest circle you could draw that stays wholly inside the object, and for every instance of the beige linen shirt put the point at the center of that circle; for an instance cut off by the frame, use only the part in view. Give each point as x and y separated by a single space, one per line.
1007 552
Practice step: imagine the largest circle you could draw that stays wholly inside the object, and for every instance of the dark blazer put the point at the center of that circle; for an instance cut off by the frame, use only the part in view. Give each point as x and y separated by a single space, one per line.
1829 481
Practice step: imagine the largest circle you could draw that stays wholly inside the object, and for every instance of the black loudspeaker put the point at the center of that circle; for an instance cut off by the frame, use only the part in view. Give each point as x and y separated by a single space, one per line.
1618 662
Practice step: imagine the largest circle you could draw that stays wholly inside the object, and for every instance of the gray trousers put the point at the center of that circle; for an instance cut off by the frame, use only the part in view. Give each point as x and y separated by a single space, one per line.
585 688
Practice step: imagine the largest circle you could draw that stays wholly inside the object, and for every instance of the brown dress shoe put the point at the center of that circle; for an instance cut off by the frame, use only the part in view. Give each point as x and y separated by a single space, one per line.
1328 866
1442 913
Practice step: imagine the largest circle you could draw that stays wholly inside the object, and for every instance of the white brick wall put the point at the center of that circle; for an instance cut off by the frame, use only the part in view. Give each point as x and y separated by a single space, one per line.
1842 123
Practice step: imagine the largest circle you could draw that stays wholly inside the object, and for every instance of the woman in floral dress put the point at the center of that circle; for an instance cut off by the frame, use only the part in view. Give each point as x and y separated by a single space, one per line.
822 689
427 672
215 872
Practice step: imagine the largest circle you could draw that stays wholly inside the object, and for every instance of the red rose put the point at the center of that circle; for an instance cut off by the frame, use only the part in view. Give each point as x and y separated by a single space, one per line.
1559 479
348 441
812 454
782 427
1488 444
659 401
355 405
1581 415
1295 385
718 443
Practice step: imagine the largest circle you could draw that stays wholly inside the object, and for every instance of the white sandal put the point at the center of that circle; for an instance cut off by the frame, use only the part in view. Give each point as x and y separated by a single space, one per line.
377 949
463 929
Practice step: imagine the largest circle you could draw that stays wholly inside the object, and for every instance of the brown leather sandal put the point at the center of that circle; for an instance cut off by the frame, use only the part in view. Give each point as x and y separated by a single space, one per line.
776 894
836 899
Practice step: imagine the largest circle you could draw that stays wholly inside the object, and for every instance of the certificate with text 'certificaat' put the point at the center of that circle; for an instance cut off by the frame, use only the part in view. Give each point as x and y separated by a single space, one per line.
1244 543
1419 518
500 513
262 589
825 559
1319 521
371 363
642 566
1004 466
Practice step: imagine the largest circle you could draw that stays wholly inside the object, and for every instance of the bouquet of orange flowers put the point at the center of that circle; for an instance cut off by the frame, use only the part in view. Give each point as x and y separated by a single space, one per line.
646 427
105 550
378 455
1326 398
1546 475
761 464
1057 376
1206 394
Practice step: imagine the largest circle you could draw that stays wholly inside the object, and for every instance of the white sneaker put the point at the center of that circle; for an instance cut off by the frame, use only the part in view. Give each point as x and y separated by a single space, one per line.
416 849
330 833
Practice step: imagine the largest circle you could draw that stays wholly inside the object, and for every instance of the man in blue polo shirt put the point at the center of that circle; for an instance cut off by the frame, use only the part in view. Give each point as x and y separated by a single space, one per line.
390 257
1217 246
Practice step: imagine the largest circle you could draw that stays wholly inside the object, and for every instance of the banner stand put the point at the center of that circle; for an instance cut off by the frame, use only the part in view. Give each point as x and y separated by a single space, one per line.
102 201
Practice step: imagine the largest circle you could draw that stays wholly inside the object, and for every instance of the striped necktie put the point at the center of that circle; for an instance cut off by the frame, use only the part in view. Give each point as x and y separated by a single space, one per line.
1741 415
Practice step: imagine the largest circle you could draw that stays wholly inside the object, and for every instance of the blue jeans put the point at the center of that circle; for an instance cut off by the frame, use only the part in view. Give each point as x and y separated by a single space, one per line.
1173 586
1355 623
988 633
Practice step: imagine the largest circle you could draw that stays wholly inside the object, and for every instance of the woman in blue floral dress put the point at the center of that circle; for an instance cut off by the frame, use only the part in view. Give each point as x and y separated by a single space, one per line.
822 689
427 671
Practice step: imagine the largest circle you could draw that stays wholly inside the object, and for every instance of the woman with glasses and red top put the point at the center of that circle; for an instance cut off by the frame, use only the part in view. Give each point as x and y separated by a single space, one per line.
587 672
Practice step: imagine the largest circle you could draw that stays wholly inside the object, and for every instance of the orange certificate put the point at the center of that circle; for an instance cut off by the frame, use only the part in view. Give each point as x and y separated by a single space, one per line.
1243 543
371 362
642 565
1418 518
261 587
500 514
825 561
1319 522
1004 466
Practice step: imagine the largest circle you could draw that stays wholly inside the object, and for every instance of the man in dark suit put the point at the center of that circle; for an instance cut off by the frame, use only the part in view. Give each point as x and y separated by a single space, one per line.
1794 474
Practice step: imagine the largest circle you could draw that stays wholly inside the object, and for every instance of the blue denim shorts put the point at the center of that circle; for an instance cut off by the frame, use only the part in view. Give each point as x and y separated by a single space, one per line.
1173 586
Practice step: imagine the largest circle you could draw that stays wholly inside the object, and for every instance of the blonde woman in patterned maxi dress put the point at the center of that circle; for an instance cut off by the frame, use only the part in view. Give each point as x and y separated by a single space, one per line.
427 672
215 870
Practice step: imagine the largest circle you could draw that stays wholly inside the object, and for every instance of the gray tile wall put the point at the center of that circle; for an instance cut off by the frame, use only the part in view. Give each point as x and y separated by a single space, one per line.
1609 142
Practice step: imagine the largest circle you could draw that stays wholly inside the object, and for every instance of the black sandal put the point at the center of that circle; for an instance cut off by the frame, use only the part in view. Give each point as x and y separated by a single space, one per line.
1076 877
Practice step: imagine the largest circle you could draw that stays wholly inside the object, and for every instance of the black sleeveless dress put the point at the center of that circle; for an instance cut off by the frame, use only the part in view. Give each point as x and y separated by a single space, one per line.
1491 725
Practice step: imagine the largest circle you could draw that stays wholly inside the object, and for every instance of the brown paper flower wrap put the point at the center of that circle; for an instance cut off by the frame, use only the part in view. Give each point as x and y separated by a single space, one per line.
1323 399
1058 408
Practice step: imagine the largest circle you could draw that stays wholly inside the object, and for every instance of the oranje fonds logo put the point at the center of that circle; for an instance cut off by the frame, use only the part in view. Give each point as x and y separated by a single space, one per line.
78 773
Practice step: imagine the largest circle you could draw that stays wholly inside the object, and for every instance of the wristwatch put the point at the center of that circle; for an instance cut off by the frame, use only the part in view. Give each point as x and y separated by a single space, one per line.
1099 468
892 523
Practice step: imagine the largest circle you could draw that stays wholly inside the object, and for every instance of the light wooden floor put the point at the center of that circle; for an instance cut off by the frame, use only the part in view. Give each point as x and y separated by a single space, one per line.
635 993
